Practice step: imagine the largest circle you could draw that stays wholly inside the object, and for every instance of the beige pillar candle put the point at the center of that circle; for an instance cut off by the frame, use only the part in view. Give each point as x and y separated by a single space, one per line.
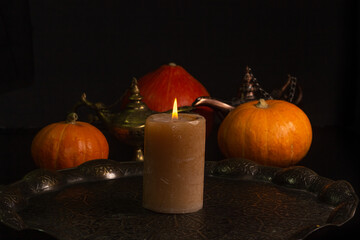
174 163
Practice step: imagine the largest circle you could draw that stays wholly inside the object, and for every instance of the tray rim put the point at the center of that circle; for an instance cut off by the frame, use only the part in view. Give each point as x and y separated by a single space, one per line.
338 194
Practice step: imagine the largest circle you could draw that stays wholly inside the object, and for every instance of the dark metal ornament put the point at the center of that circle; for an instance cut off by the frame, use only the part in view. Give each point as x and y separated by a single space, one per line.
289 91
247 87
250 90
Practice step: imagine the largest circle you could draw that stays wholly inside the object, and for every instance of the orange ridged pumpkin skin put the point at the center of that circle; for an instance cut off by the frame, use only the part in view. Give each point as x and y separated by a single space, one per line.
159 88
278 135
65 145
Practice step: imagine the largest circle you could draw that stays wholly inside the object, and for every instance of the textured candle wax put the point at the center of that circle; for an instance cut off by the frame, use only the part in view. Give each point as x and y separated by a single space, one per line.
174 163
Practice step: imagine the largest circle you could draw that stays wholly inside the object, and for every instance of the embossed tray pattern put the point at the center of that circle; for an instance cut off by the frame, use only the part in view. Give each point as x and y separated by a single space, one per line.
101 199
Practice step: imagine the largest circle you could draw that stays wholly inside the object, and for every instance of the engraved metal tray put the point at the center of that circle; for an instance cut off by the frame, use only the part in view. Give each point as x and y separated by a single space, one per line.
101 200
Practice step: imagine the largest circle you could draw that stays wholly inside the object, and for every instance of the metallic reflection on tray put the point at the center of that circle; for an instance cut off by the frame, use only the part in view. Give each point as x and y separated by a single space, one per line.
102 199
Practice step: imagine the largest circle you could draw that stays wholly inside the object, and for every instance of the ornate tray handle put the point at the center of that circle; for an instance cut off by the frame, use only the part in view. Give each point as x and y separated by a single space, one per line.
14 197
339 194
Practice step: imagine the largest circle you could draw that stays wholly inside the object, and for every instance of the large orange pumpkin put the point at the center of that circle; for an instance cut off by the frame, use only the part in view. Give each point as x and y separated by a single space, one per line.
159 88
68 144
271 132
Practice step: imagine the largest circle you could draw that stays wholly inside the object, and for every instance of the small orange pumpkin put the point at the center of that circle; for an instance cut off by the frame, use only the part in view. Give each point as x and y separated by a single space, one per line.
271 132
68 144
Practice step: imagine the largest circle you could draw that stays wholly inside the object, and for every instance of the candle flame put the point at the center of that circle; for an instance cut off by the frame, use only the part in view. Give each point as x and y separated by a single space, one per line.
174 111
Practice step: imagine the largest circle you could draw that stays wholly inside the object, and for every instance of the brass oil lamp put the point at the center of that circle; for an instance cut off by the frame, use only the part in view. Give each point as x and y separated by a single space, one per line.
128 124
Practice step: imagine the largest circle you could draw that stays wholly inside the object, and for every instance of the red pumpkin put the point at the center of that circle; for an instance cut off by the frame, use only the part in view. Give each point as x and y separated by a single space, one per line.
68 144
160 87
271 132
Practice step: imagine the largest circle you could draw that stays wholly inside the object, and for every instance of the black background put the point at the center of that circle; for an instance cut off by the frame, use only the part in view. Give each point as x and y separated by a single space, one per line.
52 51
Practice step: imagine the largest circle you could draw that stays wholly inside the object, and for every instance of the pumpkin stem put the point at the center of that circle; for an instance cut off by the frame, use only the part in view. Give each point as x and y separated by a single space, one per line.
262 103
172 64
71 118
